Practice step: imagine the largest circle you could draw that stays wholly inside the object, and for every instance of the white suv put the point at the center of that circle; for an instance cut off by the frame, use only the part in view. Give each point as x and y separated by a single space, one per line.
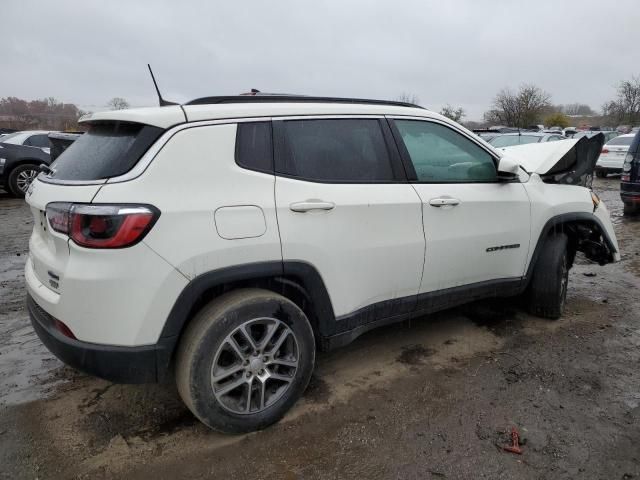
226 239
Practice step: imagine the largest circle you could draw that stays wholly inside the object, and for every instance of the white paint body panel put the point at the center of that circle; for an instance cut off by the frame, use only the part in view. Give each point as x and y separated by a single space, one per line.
242 221
488 215
368 248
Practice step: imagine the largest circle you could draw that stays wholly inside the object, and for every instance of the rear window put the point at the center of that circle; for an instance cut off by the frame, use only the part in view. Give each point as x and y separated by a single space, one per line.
340 150
620 141
107 150
511 140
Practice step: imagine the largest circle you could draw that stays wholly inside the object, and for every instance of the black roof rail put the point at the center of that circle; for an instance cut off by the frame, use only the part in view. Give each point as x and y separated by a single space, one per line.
279 98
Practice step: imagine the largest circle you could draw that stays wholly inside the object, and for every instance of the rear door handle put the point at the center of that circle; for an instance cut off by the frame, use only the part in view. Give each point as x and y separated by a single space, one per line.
309 205
444 201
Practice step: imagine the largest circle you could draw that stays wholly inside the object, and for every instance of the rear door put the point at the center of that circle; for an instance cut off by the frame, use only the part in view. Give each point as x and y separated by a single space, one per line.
344 207
476 228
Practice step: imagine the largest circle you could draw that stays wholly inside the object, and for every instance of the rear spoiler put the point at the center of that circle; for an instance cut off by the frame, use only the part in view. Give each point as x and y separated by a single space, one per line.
60 141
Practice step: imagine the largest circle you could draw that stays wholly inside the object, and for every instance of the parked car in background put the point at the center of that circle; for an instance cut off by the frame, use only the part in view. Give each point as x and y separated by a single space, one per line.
569 132
21 154
630 180
613 154
522 138
590 133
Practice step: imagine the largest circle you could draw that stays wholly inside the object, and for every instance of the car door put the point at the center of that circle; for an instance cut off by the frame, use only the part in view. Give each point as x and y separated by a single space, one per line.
344 206
476 227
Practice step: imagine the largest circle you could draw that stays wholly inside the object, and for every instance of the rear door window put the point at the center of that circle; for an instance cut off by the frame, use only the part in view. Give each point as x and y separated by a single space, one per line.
335 150
40 141
108 149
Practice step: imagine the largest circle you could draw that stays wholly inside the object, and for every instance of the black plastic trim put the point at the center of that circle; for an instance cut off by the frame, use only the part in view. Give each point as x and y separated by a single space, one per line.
295 99
557 223
113 363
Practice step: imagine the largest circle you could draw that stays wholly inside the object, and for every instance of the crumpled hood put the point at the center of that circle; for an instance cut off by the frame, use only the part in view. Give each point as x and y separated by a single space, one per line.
565 161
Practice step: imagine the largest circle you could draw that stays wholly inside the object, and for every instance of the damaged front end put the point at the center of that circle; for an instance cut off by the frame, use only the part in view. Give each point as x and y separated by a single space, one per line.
569 162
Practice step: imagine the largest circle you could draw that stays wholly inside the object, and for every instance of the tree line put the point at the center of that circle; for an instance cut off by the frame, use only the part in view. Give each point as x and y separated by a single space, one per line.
531 105
46 113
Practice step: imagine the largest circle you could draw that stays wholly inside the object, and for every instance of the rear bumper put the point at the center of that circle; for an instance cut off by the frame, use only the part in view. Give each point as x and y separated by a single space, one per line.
113 363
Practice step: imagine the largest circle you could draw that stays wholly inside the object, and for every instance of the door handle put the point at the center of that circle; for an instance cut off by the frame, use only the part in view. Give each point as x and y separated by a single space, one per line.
444 201
309 205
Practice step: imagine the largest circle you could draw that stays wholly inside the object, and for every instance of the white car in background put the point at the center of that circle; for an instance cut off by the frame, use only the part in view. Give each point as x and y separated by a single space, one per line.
612 155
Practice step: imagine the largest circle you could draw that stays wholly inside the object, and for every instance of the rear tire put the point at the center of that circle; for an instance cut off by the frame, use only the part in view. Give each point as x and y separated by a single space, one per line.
244 360
548 287
601 173
21 177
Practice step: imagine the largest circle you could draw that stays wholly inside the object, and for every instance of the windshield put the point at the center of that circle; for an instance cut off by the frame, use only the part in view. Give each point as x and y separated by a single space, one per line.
108 149
621 141
510 140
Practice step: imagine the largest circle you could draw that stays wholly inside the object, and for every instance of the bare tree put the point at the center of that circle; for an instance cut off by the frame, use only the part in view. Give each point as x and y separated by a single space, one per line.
576 109
455 114
117 103
408 98
626 107
520 109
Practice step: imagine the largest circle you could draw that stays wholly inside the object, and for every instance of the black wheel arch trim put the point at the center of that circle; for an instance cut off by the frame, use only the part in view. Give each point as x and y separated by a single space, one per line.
556 224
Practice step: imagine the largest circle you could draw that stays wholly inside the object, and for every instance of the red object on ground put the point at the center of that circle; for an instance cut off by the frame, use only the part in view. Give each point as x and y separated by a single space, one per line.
515 442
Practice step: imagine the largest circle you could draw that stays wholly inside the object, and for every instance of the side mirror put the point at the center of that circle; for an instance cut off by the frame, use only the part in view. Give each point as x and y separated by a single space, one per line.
508 170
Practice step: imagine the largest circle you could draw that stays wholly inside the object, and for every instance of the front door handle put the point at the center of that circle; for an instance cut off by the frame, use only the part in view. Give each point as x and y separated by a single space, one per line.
444 202
309 205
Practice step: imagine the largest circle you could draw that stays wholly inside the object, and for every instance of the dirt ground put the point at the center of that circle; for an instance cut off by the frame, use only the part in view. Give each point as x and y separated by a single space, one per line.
431 398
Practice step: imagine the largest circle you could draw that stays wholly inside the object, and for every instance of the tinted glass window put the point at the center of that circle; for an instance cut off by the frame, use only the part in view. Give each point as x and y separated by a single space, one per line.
41 141
340 150
440 154
621 141
254 149
107 150
511 140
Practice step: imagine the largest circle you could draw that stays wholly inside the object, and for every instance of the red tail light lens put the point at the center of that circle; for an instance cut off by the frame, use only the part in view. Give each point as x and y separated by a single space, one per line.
604 150
102 226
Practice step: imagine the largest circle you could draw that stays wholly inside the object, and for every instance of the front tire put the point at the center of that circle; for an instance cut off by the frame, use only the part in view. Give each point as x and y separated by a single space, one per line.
21 177
548 287
244 360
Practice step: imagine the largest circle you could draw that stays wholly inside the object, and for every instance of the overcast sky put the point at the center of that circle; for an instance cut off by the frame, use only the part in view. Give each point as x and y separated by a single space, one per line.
456 52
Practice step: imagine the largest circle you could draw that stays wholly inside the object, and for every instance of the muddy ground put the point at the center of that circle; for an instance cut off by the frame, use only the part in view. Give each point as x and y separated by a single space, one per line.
431 398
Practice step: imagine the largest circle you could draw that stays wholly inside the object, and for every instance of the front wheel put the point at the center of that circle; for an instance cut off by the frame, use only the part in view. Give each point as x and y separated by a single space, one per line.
21 177
548 287
244 360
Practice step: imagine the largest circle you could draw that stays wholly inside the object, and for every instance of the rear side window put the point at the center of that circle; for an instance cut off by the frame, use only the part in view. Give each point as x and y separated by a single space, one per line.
335 150
621 141
108 149
254 146
41 141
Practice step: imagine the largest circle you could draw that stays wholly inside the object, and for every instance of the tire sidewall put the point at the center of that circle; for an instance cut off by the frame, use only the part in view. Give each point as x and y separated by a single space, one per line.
13 177
204 402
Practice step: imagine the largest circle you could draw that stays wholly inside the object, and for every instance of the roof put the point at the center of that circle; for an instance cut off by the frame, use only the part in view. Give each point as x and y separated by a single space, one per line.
531 134
257 107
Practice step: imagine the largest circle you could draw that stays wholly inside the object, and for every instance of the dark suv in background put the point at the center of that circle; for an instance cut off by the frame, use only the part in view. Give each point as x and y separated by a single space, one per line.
630 185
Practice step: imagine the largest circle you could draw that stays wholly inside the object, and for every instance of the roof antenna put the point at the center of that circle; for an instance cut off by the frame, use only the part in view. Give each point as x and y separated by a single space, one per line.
162 101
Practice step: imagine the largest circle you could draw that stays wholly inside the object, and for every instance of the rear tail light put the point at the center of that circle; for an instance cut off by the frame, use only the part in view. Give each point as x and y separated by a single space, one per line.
604 150
102 226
